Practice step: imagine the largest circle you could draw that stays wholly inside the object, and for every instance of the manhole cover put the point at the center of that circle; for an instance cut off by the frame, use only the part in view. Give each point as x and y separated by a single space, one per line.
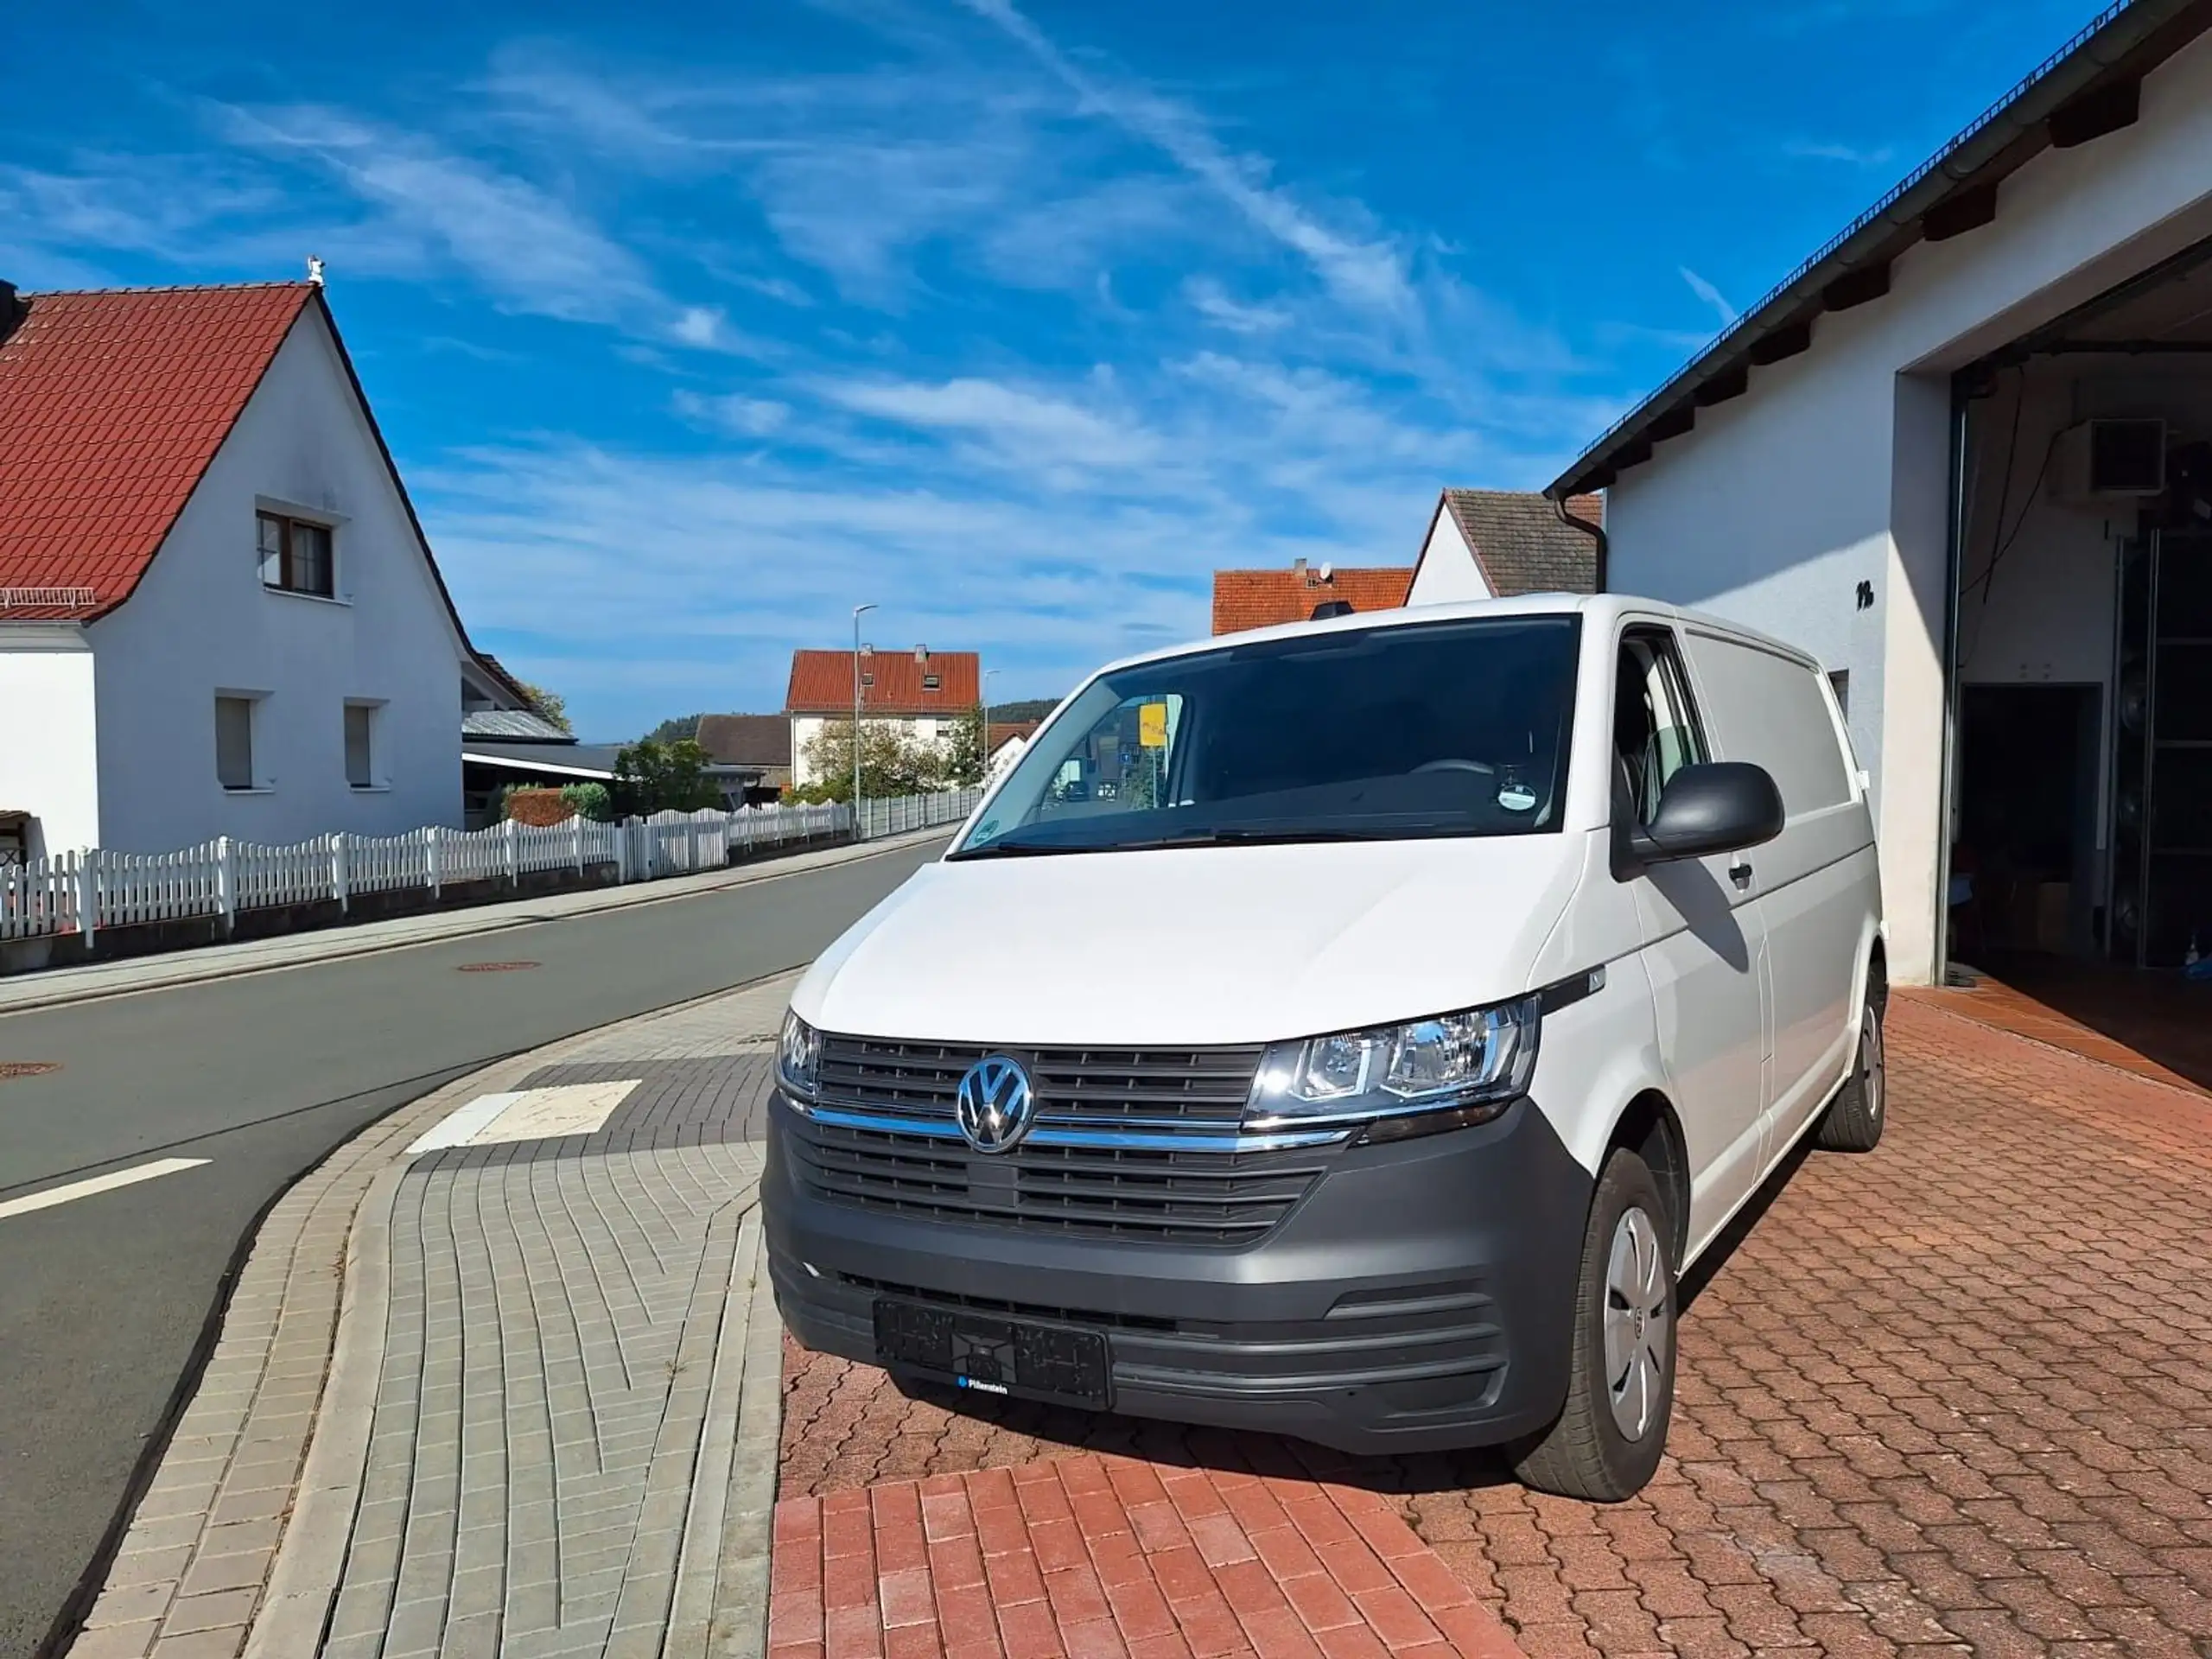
27 1068
495 967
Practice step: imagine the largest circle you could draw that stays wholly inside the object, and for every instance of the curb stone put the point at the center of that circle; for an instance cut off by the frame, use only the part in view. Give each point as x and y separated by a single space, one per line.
211 1545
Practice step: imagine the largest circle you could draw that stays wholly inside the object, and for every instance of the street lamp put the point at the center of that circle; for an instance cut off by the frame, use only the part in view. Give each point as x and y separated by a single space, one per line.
858 611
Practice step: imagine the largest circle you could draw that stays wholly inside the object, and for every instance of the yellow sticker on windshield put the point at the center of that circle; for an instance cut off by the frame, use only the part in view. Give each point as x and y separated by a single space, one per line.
1152 725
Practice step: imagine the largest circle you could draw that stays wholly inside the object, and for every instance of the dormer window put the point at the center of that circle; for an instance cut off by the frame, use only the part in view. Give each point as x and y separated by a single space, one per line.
296 555
931 682
868 679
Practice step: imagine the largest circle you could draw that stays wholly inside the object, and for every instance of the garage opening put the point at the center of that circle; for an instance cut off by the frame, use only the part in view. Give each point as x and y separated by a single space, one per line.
2081 849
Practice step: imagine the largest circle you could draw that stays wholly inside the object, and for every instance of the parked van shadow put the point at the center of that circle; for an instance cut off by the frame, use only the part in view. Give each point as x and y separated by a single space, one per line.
1407 1474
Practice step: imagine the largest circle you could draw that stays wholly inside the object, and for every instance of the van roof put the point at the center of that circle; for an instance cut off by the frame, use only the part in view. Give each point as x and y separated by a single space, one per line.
1602 609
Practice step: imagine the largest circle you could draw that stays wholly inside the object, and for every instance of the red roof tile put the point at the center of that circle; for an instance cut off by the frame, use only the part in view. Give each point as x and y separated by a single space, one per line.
822 682
1266 599
112 403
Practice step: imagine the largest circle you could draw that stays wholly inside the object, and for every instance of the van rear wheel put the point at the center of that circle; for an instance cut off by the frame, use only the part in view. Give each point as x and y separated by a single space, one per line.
1620 1391
1853 1120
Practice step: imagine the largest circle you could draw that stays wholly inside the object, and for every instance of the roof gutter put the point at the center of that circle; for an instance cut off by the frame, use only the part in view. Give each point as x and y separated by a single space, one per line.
1853 267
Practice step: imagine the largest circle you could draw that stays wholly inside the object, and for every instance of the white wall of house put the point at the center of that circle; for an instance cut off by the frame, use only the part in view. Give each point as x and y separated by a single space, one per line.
1834 468
201 623
921 729
48 742
1447 570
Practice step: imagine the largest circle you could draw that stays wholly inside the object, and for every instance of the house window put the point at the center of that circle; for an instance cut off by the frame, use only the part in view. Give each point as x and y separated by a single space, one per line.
295 554
930 682
360 745
234 742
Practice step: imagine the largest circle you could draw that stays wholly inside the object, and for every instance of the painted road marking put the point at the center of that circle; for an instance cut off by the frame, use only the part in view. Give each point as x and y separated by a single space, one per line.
75 1190
528 1114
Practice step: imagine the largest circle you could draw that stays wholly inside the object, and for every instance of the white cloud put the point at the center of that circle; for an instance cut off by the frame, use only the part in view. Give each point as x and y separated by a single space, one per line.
1211 301
1709 293
734 412
1022 427
1852 155
1365 271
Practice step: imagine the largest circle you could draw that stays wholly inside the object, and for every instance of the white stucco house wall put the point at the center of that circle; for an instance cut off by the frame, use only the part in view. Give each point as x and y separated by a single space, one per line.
218 614
1827 470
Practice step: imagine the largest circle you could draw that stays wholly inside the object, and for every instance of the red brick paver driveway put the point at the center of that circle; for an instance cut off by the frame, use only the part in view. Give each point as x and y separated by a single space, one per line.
1954 1394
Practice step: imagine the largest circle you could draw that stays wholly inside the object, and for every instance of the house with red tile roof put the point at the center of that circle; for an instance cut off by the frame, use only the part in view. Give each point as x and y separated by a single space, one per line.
1268 599
924 693
219 615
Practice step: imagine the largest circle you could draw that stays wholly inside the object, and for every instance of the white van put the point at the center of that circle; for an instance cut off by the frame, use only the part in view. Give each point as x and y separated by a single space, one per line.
1351 1030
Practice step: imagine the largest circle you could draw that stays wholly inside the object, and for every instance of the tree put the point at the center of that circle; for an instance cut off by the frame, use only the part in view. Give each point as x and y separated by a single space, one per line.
965 752
550 704
676 730
1029 709
651 777
891 762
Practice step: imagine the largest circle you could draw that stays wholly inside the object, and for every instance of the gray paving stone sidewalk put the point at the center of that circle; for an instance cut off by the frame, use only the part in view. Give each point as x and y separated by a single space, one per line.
569 1384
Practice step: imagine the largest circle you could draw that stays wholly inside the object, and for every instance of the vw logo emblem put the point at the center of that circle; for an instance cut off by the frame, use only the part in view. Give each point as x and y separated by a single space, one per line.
995 1104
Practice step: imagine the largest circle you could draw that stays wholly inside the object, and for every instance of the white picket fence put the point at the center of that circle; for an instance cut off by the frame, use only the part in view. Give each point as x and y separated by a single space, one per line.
82 892
907 813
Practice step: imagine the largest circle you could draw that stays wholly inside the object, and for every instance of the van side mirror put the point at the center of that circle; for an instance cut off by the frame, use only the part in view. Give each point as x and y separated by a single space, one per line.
1721 806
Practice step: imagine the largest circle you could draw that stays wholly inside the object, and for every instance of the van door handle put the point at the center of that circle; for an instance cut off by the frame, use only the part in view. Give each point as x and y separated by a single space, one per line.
1740 873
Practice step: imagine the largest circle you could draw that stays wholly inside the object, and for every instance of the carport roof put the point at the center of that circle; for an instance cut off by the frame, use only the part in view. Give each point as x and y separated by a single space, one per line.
2085 89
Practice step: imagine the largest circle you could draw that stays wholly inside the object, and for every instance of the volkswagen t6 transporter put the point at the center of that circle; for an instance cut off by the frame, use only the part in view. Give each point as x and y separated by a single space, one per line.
1351 1030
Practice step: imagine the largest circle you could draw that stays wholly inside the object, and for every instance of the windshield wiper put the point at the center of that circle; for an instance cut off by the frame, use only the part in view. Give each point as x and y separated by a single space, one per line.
1222 837
1023 849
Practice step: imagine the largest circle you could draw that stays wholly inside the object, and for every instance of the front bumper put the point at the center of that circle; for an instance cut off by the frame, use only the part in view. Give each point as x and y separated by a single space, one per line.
1420 1295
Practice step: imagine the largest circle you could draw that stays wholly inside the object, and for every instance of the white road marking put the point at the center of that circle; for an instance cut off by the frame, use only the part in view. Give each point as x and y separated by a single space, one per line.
85 1189
528 1114
458 1127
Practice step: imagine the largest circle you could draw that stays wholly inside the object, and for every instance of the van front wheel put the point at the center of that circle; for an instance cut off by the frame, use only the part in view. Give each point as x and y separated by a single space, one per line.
1853 1121
1620 1391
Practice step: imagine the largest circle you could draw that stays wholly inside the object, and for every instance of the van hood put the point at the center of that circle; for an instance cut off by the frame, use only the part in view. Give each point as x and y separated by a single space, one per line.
1195 945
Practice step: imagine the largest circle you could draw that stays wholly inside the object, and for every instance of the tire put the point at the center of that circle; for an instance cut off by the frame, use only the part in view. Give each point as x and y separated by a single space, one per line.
1620 1394
1853 1120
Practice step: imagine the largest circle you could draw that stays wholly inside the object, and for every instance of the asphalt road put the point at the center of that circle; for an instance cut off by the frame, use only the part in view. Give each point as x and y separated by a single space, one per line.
104 1299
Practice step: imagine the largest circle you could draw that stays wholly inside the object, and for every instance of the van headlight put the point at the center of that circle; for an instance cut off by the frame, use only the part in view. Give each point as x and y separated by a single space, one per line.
798 1057
1446 1071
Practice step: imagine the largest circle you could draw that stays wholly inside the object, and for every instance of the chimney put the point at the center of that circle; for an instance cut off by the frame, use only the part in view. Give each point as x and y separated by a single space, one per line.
1298 569
13 310
315 269
922 654
867 651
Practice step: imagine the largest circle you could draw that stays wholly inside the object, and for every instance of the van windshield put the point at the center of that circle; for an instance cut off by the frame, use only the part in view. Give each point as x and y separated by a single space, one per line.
1444 728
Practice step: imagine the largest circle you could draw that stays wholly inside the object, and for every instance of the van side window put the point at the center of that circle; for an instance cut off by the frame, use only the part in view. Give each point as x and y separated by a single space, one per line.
1768 708
1654 728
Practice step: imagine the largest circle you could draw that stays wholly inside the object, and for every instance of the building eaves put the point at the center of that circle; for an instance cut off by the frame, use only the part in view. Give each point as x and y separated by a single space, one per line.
2085 89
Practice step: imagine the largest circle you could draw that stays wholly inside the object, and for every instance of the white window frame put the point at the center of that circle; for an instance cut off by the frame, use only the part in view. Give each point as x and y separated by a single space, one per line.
262 781
379 781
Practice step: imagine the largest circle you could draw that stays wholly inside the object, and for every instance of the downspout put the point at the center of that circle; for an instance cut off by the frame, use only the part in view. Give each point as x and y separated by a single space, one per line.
1596 532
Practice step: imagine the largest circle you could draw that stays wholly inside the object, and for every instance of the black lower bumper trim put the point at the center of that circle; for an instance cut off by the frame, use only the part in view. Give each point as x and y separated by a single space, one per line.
1419 1296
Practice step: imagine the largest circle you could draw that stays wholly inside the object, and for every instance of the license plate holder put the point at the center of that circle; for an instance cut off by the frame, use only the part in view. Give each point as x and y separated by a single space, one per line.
984 1353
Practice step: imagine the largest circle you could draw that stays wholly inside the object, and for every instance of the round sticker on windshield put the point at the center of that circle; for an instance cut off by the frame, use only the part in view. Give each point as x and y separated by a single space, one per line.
1516 798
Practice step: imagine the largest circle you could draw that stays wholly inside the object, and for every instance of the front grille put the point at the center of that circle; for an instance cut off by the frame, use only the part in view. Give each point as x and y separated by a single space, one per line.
883 1137
1201 1088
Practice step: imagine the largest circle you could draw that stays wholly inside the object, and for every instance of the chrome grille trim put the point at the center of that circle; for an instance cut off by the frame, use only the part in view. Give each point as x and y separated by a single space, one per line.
1049 1132
1144 1145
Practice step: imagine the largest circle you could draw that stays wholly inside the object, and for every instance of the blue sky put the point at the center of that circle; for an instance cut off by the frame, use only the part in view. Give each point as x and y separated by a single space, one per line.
692 328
